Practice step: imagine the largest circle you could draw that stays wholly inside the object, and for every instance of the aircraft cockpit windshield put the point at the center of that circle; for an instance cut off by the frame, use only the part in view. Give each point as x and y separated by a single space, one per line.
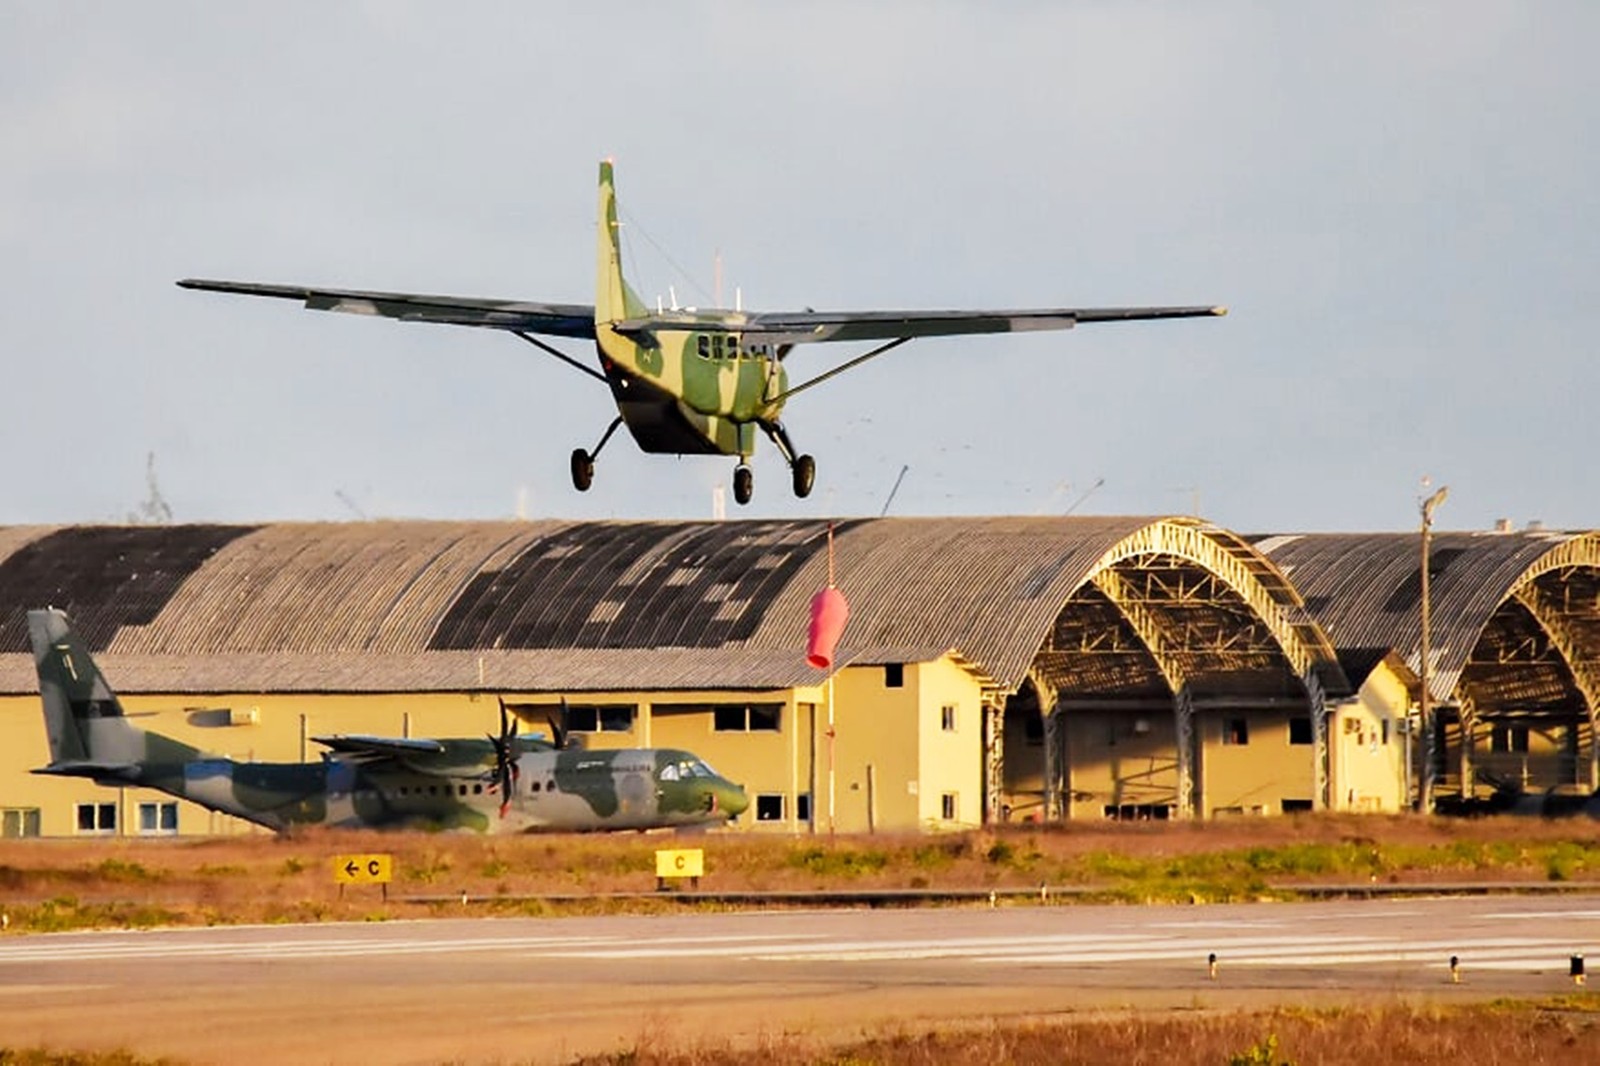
685 769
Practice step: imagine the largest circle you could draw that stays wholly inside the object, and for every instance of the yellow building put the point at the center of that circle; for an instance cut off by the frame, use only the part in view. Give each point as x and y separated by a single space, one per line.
993 669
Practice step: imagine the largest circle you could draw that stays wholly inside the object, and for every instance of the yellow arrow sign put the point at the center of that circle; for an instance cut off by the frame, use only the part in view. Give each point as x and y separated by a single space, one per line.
363 869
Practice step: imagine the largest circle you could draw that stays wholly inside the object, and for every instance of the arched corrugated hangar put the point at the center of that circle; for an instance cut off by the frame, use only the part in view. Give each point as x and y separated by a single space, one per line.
1515 643
993 667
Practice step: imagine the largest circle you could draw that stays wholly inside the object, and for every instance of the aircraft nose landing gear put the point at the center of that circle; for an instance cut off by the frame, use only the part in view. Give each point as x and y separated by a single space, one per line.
744 484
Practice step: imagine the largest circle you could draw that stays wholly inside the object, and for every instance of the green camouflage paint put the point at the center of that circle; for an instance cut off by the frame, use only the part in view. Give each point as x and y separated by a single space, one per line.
370 782
691 381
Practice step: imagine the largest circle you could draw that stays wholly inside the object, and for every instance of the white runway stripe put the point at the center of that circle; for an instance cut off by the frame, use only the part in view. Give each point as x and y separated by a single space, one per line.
1282 949
1020 950
951 946
46 950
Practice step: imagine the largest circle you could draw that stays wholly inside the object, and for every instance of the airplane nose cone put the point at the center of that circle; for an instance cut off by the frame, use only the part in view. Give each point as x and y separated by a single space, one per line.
733 800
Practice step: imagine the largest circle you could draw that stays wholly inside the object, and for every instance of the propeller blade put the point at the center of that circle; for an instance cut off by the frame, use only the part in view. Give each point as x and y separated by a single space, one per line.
505 765
558 729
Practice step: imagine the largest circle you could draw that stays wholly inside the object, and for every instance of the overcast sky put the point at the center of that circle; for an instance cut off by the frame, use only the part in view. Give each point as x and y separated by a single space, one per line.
1399 202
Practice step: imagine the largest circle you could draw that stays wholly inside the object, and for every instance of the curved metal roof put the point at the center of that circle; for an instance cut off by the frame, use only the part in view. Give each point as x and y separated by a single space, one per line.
419 605
1365 590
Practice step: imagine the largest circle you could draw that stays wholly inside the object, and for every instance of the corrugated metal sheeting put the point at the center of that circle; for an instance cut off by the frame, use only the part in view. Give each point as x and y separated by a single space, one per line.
1365 590
573 606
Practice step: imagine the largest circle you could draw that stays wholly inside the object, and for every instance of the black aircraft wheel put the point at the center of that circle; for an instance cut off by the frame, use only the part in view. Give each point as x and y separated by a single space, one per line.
582 470
744 484
805 475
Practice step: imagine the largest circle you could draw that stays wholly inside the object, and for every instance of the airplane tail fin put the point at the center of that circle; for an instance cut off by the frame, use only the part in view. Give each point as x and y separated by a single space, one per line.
613 298
89 734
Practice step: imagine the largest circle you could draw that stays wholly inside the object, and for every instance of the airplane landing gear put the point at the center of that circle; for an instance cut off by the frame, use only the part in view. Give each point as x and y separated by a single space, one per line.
744 484
802 468
583 461
804 471
582 470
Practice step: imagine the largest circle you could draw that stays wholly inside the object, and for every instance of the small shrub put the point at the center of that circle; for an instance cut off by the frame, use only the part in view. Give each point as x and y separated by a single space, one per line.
223 870
838 862
124 872
1262 1054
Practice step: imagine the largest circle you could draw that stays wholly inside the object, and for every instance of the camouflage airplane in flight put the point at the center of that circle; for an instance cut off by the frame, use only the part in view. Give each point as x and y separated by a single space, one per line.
499 784
687 381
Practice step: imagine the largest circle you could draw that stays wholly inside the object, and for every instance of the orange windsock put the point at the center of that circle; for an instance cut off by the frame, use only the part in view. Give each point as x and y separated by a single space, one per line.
829 613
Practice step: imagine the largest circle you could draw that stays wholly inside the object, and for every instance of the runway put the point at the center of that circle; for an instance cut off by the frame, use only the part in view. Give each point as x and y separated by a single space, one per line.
547 989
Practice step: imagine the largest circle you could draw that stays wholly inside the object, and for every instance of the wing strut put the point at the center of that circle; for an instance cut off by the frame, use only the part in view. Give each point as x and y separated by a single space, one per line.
561 355
840 369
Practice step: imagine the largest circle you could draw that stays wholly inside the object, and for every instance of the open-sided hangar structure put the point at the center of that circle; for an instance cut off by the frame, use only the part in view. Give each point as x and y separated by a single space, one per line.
993 668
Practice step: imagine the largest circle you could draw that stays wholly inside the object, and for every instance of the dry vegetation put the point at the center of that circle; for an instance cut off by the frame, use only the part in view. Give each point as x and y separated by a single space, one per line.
1566 1030
1503 1032
63 884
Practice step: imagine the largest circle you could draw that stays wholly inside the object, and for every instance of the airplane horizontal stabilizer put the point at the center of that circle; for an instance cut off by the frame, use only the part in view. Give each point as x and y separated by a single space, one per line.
114 771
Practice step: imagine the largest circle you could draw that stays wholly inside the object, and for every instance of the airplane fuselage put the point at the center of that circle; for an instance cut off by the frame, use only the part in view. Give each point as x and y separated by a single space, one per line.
565 791
692 393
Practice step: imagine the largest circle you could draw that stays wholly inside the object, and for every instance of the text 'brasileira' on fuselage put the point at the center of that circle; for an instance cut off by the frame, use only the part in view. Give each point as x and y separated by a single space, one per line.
690 381
493 784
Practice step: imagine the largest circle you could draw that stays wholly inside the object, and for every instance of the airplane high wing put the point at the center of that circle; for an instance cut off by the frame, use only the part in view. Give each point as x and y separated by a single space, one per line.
458 758
691 382
556 320
380 747
800 327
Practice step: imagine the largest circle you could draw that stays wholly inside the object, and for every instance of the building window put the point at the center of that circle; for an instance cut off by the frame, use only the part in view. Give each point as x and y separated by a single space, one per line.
1385 724
97 817
1297 806
1509 739
894 675
600 718
769 807
802 806
948 807
747 718
19 822
947 718
1236 731
1300 730
1138 812
155 818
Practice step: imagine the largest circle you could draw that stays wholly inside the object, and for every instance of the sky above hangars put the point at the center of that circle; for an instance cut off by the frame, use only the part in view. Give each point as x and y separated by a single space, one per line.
1398 202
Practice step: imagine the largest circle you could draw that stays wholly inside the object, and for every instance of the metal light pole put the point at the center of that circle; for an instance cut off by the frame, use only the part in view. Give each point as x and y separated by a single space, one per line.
1425 788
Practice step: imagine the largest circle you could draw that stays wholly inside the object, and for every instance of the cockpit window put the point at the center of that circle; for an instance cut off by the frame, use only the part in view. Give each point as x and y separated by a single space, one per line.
686 770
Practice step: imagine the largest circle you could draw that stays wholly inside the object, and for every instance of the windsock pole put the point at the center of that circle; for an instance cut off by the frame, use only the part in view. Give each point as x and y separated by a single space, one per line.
829 614
831 672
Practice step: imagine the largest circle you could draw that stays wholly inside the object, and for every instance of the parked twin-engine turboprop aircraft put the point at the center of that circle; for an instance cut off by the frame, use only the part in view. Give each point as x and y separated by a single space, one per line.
499 784
690 381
